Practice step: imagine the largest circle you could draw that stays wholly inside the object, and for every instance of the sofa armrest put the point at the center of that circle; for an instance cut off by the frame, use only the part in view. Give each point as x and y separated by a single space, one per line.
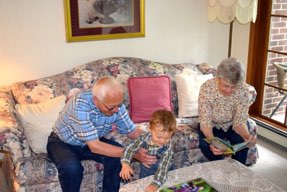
252 126
252 95
8 120
252 155
12 138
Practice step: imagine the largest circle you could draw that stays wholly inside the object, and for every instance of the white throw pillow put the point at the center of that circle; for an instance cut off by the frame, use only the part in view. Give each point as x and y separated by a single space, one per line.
38 119
188 87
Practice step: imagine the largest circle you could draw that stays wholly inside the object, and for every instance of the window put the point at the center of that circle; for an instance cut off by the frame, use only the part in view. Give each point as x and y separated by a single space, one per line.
267 63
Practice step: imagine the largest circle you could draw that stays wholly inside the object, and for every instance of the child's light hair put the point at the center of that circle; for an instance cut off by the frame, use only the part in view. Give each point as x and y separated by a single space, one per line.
165 118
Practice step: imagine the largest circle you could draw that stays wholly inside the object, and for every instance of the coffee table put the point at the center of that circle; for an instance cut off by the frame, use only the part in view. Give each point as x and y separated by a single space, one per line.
226 175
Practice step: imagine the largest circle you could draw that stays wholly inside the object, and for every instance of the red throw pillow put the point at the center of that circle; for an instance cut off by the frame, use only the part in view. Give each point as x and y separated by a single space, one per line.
148 94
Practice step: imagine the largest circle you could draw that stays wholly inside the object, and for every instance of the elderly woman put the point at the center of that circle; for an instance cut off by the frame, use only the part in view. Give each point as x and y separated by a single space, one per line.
223 110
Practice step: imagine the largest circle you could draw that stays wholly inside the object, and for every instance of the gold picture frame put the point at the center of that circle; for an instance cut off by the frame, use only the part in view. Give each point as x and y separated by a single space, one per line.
88 20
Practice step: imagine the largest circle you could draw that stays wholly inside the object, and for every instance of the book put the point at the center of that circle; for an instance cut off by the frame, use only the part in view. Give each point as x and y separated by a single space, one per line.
194 185
225 145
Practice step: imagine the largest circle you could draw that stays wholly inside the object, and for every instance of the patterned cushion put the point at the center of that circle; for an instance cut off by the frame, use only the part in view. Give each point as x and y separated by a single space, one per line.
207 68
148 94
38 170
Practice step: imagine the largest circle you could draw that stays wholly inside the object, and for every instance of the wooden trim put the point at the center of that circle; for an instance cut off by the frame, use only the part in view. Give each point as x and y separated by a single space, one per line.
257 60
270 122
257 54
278 52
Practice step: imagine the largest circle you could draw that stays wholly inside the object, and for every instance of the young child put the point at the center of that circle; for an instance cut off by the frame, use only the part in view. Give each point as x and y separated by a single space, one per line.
157 142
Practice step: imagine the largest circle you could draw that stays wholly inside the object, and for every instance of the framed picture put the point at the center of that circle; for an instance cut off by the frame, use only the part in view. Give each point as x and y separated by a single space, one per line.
88 20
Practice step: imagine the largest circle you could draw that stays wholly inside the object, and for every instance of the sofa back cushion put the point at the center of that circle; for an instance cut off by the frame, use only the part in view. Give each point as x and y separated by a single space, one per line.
84 76
188 87
148 94
38 120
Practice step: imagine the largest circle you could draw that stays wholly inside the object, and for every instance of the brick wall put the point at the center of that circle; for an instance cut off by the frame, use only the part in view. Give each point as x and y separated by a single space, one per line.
277 42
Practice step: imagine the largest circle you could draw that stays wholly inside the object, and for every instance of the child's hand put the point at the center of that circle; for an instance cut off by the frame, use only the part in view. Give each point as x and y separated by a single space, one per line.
126 172
151 188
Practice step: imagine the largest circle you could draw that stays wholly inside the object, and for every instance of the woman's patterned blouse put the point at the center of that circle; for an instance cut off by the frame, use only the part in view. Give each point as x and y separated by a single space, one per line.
216 110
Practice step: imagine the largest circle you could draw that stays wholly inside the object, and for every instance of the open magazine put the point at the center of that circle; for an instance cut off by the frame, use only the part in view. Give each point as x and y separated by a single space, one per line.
194 185
225 145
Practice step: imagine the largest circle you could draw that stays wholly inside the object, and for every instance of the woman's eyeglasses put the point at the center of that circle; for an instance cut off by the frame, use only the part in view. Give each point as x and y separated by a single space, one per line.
226 85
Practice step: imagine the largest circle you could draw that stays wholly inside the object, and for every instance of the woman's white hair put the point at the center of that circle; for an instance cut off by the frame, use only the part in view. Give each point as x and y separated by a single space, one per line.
231 70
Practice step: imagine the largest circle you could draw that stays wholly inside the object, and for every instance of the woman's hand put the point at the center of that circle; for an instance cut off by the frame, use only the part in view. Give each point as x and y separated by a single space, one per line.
215 150
242 130
144 158
151 188
252 141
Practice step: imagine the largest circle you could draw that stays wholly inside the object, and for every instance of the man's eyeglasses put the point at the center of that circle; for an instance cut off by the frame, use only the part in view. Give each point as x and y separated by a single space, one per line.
109 108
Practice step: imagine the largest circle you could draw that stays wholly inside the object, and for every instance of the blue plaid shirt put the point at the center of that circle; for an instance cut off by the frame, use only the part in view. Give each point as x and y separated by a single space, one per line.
81 121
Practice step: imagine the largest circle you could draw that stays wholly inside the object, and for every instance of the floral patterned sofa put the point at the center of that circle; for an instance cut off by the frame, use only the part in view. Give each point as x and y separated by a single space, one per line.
28 171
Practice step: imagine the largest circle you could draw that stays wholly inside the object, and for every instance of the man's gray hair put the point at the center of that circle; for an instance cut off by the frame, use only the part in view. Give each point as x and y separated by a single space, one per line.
231 70
106 86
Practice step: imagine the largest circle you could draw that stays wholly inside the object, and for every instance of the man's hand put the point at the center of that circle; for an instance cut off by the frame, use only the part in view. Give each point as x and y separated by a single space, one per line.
136 133
144 158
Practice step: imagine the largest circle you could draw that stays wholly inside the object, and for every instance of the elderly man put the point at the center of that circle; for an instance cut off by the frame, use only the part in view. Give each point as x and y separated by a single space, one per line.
78 134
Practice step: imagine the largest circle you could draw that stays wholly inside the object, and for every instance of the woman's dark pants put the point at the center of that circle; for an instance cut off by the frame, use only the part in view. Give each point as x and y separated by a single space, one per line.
231 136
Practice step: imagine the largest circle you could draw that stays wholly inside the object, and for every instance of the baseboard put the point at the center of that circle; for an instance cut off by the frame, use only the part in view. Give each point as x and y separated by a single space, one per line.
272 134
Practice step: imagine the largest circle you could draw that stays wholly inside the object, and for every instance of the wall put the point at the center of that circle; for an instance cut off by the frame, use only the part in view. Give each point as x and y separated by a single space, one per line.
240 41
33 43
